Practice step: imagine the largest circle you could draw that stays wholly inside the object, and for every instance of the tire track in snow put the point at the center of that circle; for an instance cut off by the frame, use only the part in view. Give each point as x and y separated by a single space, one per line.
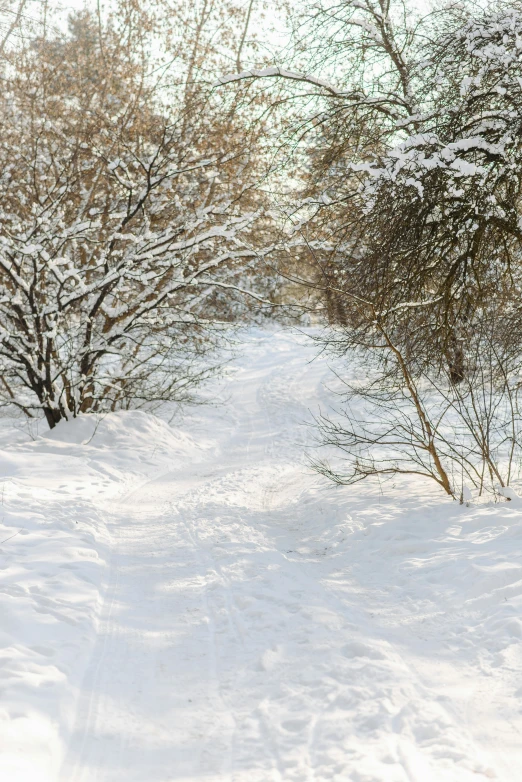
206 565
87 714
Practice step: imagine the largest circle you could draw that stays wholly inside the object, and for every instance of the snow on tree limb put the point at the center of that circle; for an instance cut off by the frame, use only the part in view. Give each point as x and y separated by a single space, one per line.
121 215
276 72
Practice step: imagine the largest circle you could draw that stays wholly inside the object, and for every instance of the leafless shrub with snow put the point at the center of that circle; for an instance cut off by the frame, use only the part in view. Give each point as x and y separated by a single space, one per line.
400 415
125 204
411 126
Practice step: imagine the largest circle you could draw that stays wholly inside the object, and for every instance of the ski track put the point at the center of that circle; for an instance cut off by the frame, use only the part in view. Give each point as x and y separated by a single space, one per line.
251 631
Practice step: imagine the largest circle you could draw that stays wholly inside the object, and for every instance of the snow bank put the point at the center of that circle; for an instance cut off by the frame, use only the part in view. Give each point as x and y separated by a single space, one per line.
123 442
55 556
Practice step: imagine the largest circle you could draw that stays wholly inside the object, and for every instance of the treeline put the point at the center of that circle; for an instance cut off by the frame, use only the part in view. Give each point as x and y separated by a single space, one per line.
167 170
407 128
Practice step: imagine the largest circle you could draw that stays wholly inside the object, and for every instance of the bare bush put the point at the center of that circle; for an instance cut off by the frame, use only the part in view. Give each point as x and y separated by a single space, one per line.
400 415
410 128
124 206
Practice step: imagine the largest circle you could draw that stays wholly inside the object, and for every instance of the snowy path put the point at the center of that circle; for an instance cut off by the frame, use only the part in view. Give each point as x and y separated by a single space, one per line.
260 626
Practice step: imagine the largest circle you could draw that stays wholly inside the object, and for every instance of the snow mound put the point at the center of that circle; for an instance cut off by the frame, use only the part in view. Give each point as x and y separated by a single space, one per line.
127 429
120 444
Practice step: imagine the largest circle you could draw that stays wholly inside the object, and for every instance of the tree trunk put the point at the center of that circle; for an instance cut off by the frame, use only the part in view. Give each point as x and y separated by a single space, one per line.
53 416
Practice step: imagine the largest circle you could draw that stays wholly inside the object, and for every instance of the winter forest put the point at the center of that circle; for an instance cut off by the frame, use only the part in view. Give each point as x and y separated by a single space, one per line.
260 391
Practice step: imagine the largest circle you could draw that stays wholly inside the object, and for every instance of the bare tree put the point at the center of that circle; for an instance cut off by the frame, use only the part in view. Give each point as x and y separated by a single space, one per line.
402 416
13 21
124 206
408 134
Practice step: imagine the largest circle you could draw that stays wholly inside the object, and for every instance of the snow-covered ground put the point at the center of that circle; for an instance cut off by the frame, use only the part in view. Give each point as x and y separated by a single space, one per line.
190 602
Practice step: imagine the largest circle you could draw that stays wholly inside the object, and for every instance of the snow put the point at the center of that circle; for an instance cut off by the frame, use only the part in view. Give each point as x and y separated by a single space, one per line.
190 602
275 71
